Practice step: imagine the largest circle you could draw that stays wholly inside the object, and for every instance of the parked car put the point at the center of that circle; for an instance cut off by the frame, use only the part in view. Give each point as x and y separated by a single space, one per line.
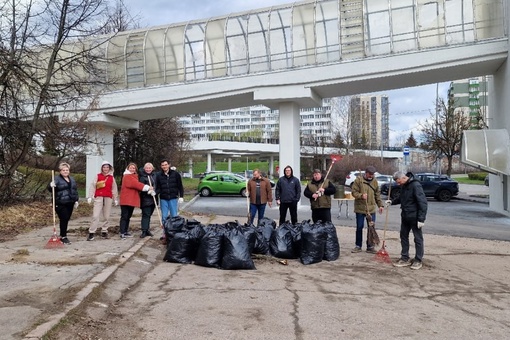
349 179
486 180
221 184
441 187
383 179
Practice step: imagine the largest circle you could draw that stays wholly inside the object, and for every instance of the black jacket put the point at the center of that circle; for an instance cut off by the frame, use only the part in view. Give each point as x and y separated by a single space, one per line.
288 189
146 200
65 192
412 200
169 186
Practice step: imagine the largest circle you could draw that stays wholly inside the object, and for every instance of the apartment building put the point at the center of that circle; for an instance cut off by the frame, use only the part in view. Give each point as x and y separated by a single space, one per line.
259 122
369 117
471 96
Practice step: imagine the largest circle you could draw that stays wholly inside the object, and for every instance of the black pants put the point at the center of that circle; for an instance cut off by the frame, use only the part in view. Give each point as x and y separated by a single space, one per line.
64 212
292 207
146 216
126 212
321 214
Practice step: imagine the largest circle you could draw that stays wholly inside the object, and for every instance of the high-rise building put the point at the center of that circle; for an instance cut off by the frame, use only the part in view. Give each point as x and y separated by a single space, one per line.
258 121
471 97
369 117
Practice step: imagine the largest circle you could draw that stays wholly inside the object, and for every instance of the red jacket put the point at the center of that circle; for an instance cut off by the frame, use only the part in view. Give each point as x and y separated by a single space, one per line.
130 190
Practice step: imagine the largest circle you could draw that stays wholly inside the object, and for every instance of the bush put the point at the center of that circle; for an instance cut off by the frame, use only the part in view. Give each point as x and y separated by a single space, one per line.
478 176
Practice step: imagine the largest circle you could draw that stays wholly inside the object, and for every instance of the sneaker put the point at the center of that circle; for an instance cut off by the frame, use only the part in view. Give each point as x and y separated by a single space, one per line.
356 250
127 235
104 235
371 250
402 263
91 237
65 240
416 264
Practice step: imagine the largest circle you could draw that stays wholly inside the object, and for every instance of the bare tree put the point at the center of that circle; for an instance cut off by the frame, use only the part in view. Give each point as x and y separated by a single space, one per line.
442 132
341 122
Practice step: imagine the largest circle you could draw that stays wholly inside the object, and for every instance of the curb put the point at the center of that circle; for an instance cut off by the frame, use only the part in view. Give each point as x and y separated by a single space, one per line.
40 331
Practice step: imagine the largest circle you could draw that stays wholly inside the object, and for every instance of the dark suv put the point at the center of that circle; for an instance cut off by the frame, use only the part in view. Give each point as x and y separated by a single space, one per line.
441 187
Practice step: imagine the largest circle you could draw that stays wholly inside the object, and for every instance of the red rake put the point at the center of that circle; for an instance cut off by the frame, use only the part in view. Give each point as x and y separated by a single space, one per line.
54 242
382 255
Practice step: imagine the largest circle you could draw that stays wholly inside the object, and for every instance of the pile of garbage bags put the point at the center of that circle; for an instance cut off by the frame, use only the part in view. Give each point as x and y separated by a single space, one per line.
230 245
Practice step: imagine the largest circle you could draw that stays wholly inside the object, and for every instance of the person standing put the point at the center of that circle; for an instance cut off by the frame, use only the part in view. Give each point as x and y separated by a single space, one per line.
288 194
66 198
260 193
147 201
413 205
319 191
103 193
170 189
367 199
130 197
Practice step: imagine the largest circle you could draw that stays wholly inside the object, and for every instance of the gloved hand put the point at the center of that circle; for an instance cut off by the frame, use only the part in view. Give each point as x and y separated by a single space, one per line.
76 204
387 203
116 202
181 199
420 225
52 184
89 200
151 192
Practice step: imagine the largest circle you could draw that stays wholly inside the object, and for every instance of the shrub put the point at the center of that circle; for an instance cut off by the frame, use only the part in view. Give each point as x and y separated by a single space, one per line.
478 176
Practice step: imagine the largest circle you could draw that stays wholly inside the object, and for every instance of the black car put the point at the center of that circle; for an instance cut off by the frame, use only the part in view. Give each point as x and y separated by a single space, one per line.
441 187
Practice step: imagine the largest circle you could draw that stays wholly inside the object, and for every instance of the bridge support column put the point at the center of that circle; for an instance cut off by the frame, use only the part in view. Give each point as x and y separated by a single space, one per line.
499 103
270 171
290 147
99 149
229 164
209 162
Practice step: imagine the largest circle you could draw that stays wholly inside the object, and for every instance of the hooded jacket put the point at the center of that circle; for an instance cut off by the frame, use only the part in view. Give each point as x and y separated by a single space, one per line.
129 191
412 200
288 189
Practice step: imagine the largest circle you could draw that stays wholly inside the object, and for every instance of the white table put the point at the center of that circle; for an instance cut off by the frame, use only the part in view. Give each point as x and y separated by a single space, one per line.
341 202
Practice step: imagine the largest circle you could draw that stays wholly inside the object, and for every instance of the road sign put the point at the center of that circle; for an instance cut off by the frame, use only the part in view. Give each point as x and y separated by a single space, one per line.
406 151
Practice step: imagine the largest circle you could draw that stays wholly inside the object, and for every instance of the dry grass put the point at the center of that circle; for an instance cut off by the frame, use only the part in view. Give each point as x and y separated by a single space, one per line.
24 217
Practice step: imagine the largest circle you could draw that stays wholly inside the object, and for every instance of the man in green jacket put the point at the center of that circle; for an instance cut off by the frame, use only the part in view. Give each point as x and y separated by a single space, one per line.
319 191
367 199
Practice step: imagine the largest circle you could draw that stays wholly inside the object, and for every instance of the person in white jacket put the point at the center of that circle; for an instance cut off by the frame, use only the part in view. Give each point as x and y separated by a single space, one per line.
103 192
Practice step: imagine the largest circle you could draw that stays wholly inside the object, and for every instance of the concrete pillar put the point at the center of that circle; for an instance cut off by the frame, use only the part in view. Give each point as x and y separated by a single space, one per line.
290 146
99 149
229 164
190 166
209 162
499 108
271 167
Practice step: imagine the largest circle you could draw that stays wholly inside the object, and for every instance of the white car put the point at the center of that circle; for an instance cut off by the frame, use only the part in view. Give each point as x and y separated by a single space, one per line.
349 179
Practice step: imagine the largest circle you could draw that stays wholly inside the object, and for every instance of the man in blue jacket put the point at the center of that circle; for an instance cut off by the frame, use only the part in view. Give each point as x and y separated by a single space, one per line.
413 204
288 194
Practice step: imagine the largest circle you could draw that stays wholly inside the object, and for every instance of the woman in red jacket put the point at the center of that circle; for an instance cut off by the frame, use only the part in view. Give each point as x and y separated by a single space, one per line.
130 197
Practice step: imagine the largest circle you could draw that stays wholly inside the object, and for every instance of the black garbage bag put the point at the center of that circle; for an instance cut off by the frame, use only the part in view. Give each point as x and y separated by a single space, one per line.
261 244
332 246
210 250
172 226
182 248
236 253
266 226
281 243
267 221
250 233
313 241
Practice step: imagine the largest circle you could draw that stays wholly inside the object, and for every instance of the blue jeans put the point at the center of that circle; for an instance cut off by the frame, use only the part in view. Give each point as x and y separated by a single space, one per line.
168 207
360 222
254 208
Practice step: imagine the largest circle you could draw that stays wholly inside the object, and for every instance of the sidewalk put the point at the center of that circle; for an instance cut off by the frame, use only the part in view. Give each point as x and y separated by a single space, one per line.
40 286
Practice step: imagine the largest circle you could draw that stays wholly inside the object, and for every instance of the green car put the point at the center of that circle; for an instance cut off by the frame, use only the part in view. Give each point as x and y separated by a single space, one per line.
222 184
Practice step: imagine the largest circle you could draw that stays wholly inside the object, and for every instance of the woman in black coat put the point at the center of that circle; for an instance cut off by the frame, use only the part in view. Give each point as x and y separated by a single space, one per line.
147 202
66 198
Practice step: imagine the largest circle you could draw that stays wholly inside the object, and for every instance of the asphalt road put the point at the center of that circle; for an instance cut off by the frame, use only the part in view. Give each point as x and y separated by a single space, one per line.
455 218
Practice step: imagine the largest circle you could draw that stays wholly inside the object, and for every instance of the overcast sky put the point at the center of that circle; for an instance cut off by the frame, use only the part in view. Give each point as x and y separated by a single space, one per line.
408 107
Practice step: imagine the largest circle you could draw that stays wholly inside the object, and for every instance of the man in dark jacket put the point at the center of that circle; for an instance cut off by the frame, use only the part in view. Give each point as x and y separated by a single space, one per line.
413 204
170 189
288 194
319 191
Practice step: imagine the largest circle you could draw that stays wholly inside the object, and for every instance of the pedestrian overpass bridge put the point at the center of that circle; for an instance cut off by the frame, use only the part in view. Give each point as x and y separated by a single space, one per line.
291 56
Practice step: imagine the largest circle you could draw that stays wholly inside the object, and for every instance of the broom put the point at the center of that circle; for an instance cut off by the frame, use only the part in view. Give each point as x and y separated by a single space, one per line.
54 241
382 255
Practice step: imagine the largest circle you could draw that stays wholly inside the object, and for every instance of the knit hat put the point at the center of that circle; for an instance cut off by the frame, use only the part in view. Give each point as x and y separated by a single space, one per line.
106 163
370 170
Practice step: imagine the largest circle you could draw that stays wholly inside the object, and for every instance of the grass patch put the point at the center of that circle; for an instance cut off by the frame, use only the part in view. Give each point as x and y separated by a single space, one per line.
467 180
